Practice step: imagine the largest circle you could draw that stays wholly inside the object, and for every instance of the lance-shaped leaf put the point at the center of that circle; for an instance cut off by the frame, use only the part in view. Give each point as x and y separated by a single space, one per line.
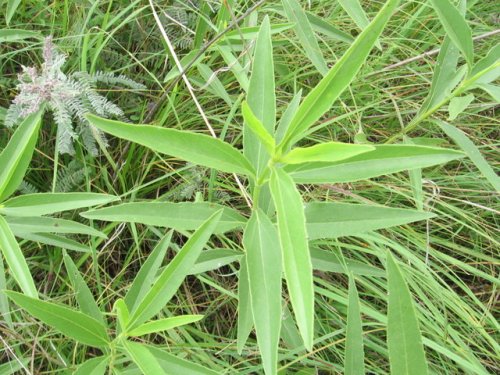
321 98
358 15
164 324
329 261
406 352
257 128
49 225
245 318
296 257
298 17
261 101
178 216
331 219
147 274
174 365
488 67
472 152
55 240
264 264
172 276
354 352
49 203
71 323
83 295
327 152
196 148
15 260
212 259
143 358
383 160
16 156
456 28
93 366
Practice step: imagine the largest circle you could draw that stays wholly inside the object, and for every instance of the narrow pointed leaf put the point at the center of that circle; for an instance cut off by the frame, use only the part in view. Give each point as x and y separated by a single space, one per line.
355 11
355 356
164 324
196 148
329 261
15 35
4 302
321 98
456 28
488 67
93 366
143 358
173 275
264 264
245 317
383 160
174 365
461 139
298 17
83 295
147 274
331 219
327 152
287 117
210 260
16 262
71 323
49 225
49 203
122 314
296 257
257 128
16 156
55 241
178 216
261 100
406 352
458 104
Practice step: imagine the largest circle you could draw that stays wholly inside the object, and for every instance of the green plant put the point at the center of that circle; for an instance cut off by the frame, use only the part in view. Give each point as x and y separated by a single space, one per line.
146 297
274 167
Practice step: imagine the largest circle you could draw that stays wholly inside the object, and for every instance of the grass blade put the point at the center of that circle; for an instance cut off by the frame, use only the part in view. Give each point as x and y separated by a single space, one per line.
296 257
210 260
461 139
71 323
49 203
16 156
196 148
172 276
456 28
12 6
4 301
406 352
321 98
15 260
298 17
331 219
354 352
264 263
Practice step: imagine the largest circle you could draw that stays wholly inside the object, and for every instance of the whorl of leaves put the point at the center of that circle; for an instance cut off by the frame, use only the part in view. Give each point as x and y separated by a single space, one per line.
69 97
